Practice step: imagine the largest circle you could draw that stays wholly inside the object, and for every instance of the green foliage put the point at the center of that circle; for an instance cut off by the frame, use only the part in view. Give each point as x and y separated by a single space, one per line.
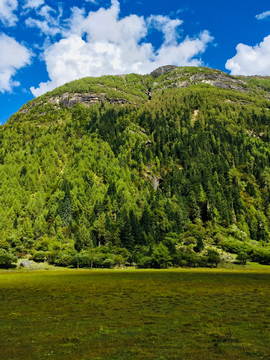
145 262
64 258
173 175
242 257
161 257
7 259
41 255
213 257
261 83
261 256
4 245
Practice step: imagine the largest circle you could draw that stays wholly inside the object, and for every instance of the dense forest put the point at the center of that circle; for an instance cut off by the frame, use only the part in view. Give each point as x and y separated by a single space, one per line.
178 177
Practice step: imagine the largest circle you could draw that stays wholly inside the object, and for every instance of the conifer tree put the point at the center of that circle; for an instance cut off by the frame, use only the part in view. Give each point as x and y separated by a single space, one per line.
126 236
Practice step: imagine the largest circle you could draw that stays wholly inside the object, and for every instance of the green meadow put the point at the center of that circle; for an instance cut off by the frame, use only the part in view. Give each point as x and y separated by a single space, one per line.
135 314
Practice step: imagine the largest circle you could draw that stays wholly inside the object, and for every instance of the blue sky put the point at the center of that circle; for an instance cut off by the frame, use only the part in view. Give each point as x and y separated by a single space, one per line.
45 43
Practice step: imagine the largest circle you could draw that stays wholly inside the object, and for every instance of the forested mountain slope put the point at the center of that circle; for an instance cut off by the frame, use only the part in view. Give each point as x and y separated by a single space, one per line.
96 173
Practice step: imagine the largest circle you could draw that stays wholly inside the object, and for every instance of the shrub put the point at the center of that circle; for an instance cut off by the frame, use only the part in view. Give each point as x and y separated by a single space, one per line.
53 255
161 257
145 262
7 259
200 246
43 245
193 260
231 245
108 262
55 245
242 257
219 238
121 251
15 243
213 257
237 233
4 245
40 256
64 258
82 259
119 260
261 256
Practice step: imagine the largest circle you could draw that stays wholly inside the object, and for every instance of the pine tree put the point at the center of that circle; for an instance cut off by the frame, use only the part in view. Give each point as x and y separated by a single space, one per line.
126 232
146 221
137 233
65 211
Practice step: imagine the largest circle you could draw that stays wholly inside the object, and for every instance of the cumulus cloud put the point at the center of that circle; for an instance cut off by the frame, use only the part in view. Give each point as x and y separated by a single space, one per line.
13 56
251 60
7 8
101 43
263 15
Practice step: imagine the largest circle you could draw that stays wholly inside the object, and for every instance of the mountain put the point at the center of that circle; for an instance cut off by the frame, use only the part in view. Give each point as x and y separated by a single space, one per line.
168 168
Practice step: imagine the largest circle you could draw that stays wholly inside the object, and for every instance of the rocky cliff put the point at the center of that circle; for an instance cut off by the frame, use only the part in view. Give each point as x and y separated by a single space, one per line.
137 89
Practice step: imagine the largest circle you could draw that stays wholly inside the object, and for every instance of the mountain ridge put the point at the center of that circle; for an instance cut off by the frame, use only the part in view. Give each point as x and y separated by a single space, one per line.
162 78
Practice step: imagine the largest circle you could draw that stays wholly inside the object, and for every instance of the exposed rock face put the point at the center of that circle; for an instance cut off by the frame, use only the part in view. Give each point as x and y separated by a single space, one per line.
25 111
221 81
70 100
87 99
217 79
163 70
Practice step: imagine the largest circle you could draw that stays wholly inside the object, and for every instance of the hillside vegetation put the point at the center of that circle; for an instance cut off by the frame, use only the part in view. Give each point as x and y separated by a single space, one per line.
119 179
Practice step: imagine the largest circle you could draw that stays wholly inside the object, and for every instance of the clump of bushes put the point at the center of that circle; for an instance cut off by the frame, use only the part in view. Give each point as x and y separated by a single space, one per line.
162 258
100 257
7 259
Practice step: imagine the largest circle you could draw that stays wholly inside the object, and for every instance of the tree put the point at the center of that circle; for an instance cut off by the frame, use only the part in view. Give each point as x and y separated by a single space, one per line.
137 233
126 232
161 257
200 246
146 220
7 259
242 257
65 211
82 238
40 227
144 262
65 206
213 257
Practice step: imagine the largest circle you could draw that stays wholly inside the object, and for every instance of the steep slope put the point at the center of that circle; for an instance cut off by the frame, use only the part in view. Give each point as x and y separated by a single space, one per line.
96 171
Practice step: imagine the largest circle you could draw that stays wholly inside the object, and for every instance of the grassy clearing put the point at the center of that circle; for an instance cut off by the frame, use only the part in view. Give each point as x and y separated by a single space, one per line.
135 314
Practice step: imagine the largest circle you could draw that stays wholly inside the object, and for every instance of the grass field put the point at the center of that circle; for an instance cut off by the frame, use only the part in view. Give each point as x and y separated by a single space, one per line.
135 314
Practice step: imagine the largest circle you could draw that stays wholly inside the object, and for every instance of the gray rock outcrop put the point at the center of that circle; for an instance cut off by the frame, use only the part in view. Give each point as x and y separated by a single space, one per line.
163 70
25 264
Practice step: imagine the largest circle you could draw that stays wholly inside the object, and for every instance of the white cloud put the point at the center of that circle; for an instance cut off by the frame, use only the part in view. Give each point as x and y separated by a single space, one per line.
32 4
50 23
13 56
7 8
251 60
167 26
263 15
116 46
